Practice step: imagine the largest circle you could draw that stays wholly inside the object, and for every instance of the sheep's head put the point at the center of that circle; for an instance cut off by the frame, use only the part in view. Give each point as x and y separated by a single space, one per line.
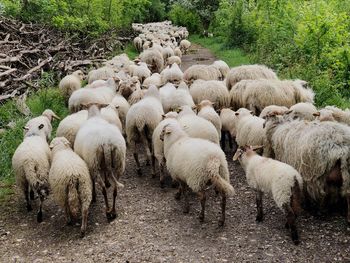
170 114
79 74
205 103
38 130
50 115
128 86
59 143
274 118
246 150
242 112
324 115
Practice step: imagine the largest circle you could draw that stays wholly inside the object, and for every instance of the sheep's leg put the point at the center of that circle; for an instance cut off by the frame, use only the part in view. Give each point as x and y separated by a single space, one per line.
259 206
113 211
107 183
31 194
67 209
84 212
136 157
223 209
39 216
161 173
223 133
179 191
105 196
291 223
26 195
202 197
230 141
185 194
348 201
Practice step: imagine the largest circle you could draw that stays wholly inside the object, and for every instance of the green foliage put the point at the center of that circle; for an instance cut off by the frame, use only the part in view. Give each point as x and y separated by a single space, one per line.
185 17
86 16
300 39
233 57
12 137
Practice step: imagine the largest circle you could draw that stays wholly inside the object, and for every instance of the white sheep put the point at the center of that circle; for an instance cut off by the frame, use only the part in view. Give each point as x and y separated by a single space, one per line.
212 90
228 121
70 181
138 43
140 70
46 118
158 145
155 79
167 52
185 45
195 164
279 179
203 72
102 146
197 127
71 83
141 120
302 110
31 165
103 73
257 94
222 67
339 115
173 59
172 74
273 108
154 59
178 52
248 72
206 110
123 107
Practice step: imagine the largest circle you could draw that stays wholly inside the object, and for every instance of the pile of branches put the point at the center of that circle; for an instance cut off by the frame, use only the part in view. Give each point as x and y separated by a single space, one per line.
27 50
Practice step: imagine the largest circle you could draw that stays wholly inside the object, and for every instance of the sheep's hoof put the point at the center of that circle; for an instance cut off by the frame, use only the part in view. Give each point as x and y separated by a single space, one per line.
162 184
111 216
39 217
139 172
69 222
148 162
296 242
348 221
286 225
186 210
174 184
221 222
178 196
29 208
259 218
82 233
31 195
201 218
107 184
153 175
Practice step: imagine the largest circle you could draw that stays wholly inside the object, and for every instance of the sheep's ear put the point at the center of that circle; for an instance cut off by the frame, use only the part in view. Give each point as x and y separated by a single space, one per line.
51 146
168 130
287 112
67 143
257 147
55 116
251 112
316 114
163 116
41 126
236 113
26 128
237 155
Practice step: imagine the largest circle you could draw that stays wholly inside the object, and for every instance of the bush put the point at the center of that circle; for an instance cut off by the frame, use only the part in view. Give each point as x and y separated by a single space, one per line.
184 17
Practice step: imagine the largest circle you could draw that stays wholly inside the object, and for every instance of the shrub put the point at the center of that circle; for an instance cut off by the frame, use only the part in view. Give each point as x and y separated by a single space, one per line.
184 17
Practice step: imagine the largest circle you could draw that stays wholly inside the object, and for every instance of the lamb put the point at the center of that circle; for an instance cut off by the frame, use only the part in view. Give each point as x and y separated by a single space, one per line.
212 90
173 98
206 110
102 95
257 94
154 79
178 52
31 165
128 86
167 52
324 115
158 145
303 111
222 67
273 108
197 127
173 59
138 43
123 108
204 72
248 72
70 125
202 162
104 155
269 176
103 73
70 182
339 115
172 74
185 45
141 120
153 58
228 121
71 83
319 151
46 118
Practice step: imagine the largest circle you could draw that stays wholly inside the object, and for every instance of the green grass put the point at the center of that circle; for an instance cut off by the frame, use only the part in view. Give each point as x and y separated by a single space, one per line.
233 57
48 98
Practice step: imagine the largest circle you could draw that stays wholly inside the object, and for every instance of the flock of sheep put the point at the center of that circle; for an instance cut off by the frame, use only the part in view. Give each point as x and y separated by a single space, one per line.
178 120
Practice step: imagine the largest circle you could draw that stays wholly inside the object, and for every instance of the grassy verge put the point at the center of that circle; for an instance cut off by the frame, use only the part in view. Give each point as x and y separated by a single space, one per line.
12 121
233 57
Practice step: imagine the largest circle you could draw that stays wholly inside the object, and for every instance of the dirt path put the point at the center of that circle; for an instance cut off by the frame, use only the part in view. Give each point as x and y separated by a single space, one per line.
152 228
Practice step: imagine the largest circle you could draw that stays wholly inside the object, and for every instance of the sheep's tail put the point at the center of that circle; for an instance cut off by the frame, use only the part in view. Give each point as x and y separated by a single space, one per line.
72 191
295 199
109 160
220 183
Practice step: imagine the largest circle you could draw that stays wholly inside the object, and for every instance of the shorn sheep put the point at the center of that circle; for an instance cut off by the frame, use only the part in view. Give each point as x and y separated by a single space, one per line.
102 146
46 118
212 90
248 72
158 145
71 83
195 164
141 120
257 94
31 165
268 176
320 152
70 181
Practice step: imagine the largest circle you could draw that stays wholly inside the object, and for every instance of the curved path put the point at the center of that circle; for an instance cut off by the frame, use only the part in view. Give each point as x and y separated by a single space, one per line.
152 228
